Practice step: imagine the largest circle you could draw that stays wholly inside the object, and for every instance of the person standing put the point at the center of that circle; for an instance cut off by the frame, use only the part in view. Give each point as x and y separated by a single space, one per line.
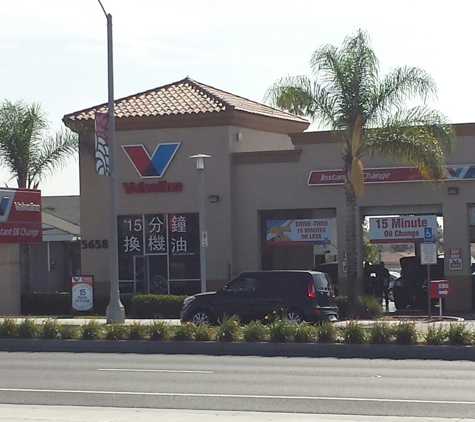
384 277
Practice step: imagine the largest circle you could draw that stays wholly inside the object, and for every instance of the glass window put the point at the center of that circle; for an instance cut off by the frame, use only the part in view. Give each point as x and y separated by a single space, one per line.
321 282
242 284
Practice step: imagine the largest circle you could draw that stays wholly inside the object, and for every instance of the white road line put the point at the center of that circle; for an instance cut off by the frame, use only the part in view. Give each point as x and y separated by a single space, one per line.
237 396
171 371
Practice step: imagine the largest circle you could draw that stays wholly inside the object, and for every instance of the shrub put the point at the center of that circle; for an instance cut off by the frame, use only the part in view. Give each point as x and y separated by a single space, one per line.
8 328
255 331
184 332
305 333
281 330
204 332
435 336
137 331
327 333
28 328
155 306
35 303
381 333
405 333
342 303
91 331
229 329
68 331
458 334
158 330
51 329
369 307
116 332
354 333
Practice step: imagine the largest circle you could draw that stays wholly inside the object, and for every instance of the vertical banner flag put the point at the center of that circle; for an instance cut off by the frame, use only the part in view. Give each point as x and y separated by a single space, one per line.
102 144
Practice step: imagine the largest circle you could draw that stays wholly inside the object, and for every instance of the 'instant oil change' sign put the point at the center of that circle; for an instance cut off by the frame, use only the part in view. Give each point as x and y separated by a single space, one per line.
402 229
20 216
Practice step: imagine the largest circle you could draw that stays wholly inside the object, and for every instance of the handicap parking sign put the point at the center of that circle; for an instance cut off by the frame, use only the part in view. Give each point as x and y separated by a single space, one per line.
428 235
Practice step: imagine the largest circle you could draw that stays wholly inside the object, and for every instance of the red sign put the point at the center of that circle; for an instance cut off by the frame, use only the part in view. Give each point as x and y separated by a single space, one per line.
388 175
455 259
439 289
382 175
20 216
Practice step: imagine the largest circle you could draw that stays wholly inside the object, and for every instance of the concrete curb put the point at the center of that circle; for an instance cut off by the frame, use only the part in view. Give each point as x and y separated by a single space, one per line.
268 349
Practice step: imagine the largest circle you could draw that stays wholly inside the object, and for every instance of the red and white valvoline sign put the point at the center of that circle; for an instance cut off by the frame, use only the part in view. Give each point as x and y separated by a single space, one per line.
20 216
403 229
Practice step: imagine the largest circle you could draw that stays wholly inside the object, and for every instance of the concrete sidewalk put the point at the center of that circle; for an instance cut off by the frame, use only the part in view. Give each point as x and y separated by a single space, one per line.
17 413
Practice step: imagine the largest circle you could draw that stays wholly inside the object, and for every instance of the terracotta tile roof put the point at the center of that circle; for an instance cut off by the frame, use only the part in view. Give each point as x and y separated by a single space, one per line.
185 97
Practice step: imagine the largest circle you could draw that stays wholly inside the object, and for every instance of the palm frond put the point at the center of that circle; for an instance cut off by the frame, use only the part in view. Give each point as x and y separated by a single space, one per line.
398 87
415 137
54 154
25 150
291 93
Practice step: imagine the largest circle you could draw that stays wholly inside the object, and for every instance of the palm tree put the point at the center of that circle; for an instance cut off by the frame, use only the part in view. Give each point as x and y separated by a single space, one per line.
30 154
26 150
370 115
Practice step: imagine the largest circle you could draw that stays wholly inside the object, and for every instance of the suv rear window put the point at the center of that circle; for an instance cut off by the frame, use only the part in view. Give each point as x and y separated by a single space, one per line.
321 282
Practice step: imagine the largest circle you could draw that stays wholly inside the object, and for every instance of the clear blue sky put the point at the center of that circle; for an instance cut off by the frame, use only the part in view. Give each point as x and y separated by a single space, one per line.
54 51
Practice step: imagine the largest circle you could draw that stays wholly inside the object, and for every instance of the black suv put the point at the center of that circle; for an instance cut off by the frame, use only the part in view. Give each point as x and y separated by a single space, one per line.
411 288
297 295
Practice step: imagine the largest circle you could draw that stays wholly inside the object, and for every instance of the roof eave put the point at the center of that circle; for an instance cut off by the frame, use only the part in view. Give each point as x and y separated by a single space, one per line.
231 117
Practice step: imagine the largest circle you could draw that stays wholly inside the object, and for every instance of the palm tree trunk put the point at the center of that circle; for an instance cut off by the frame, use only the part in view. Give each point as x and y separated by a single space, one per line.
351 249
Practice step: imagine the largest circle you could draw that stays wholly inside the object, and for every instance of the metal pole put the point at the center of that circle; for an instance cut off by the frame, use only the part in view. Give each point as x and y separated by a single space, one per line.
115 310
428 292
202 231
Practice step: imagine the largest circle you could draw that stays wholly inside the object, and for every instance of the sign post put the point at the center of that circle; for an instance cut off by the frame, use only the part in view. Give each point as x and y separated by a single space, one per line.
438 290
428 257
82 292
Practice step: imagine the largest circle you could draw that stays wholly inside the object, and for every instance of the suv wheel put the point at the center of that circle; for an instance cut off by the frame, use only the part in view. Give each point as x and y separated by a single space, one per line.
200 317
294 316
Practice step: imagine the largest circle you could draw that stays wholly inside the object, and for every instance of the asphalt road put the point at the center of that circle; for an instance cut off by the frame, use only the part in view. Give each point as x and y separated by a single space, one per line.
301 385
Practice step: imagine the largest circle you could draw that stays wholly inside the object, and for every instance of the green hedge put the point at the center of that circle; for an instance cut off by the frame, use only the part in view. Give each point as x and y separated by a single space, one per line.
279 330
157 306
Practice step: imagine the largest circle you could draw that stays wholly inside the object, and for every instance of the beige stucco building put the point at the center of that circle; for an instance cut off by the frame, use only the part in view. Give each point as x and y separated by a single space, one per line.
258 173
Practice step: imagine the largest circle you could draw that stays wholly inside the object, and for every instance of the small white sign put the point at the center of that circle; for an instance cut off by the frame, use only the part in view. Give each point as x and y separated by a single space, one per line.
428 253
345 262
402 229
82 293
455 259
204 239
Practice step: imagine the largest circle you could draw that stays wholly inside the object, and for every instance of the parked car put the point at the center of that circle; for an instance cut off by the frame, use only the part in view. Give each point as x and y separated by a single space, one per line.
298 295
411 288
393 276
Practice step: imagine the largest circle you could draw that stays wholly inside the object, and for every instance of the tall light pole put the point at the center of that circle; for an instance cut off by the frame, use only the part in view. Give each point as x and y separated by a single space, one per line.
200 165
115 310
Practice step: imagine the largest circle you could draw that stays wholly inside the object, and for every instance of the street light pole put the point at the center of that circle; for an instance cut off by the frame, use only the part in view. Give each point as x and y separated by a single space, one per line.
115 310
200 165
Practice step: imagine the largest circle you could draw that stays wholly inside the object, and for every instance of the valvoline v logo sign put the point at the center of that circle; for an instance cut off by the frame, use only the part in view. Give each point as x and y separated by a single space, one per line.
151 166
4 205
